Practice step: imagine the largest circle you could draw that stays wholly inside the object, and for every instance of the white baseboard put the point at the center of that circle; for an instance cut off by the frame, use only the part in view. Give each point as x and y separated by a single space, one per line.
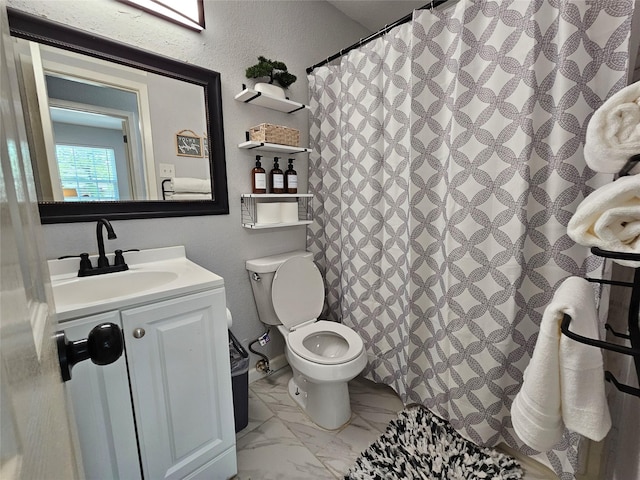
275 363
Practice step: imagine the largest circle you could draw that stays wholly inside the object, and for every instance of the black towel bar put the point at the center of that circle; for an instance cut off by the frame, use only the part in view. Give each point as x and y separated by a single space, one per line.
634 328
609 328
608 376
564 328
165 189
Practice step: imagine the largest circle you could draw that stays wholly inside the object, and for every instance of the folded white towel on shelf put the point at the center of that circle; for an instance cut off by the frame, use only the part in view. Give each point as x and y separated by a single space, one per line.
188 196
564 382
609 218
190 185
613 133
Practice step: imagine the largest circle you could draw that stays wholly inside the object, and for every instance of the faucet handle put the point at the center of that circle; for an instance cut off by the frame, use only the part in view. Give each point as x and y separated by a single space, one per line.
85 263
119 259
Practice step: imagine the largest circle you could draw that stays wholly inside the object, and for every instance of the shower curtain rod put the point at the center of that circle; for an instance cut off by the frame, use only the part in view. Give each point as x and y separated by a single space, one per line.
373 36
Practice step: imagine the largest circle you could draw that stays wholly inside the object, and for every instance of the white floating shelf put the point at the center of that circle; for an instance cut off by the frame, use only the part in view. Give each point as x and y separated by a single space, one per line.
258 226
249 208
272 147
274 103
277 195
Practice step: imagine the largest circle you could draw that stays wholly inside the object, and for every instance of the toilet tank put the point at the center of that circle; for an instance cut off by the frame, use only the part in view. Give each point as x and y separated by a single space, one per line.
261 273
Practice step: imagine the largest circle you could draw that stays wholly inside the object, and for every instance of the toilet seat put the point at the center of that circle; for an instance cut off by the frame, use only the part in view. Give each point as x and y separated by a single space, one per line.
351 348
297 293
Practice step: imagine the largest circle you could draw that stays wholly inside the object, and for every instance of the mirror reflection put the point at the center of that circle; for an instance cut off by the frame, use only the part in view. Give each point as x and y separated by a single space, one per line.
171 144
107 132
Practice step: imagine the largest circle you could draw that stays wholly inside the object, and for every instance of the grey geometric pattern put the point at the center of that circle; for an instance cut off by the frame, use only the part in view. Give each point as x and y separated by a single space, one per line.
446 164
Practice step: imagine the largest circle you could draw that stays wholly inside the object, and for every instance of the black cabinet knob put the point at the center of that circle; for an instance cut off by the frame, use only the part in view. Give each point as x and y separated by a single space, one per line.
104 345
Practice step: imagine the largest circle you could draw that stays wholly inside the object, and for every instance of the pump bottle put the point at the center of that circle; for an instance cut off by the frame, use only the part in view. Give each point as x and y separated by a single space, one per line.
258 178
291 179
276 177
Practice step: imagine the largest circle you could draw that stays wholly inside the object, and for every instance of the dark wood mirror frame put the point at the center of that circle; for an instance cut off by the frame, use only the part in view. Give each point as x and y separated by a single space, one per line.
46 32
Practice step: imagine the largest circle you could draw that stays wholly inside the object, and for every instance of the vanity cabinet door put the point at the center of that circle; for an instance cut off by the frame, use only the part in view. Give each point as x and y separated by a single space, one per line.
101 405
178 357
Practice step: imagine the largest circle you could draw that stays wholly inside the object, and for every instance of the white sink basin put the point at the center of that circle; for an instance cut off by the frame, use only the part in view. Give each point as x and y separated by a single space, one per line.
153 275
109 286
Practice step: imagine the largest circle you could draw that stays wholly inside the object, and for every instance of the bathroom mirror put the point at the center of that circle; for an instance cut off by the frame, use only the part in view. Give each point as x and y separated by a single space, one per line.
79 89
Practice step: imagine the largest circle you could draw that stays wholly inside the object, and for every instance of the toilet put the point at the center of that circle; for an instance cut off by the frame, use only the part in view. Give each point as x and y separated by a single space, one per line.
323 355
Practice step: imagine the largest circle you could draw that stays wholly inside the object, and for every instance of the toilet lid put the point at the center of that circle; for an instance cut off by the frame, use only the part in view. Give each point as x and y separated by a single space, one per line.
297 292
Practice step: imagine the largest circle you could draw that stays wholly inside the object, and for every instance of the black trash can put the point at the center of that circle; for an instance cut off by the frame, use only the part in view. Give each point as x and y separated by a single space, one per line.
239 358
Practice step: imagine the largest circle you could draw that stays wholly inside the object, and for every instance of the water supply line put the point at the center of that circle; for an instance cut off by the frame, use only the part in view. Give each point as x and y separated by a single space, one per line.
262 365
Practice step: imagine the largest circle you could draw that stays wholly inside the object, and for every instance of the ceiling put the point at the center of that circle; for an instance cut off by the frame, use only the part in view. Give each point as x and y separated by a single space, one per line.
375 14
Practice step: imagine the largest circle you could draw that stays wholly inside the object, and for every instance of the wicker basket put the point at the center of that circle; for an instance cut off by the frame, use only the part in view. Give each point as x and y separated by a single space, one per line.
269 133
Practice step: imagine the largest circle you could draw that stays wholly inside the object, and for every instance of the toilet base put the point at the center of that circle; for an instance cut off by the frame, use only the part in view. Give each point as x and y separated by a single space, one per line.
326 404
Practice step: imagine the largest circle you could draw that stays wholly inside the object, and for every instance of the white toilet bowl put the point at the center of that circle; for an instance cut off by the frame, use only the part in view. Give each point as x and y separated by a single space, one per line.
323 355
321 372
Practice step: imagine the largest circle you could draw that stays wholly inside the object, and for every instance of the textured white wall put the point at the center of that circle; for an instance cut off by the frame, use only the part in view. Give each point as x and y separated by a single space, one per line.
299 33
181 106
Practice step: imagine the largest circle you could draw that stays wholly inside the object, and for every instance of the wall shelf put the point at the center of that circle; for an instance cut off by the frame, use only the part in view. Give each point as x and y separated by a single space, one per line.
248 95
258 226
276 195
249 208
254 97
272 147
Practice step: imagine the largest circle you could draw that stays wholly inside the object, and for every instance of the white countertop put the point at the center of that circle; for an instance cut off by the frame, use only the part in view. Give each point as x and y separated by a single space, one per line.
154 274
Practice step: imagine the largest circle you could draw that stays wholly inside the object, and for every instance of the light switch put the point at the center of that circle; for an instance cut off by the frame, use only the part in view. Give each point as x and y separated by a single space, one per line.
167 170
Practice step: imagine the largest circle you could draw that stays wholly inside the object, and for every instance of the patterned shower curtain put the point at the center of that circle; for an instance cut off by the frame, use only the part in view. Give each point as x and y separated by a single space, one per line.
447 161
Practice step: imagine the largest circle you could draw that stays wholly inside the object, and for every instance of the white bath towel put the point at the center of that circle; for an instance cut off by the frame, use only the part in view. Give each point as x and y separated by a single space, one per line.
609 218
564 382
189 196
613 133
190 185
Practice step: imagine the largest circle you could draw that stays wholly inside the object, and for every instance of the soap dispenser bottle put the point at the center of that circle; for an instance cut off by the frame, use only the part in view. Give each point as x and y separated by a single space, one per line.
291 179
258 178
276 177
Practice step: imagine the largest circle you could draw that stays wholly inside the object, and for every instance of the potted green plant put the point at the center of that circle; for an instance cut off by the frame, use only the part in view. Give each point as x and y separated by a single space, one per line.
276 71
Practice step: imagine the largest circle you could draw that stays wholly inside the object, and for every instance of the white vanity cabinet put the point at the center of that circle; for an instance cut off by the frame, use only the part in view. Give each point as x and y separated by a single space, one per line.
178 358
164 409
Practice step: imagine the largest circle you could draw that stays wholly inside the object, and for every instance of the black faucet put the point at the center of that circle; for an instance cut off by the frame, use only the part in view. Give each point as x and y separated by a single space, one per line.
119 265
103 261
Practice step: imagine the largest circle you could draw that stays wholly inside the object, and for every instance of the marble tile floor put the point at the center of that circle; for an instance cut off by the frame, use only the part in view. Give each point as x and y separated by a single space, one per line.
281 443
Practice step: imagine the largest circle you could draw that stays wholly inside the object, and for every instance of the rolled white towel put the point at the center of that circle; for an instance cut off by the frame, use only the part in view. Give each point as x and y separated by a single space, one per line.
613 133
190 185
609 218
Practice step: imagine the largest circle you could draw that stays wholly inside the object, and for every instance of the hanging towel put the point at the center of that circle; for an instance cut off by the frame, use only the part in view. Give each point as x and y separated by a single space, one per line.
613 133
609 218
190 185
564 382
